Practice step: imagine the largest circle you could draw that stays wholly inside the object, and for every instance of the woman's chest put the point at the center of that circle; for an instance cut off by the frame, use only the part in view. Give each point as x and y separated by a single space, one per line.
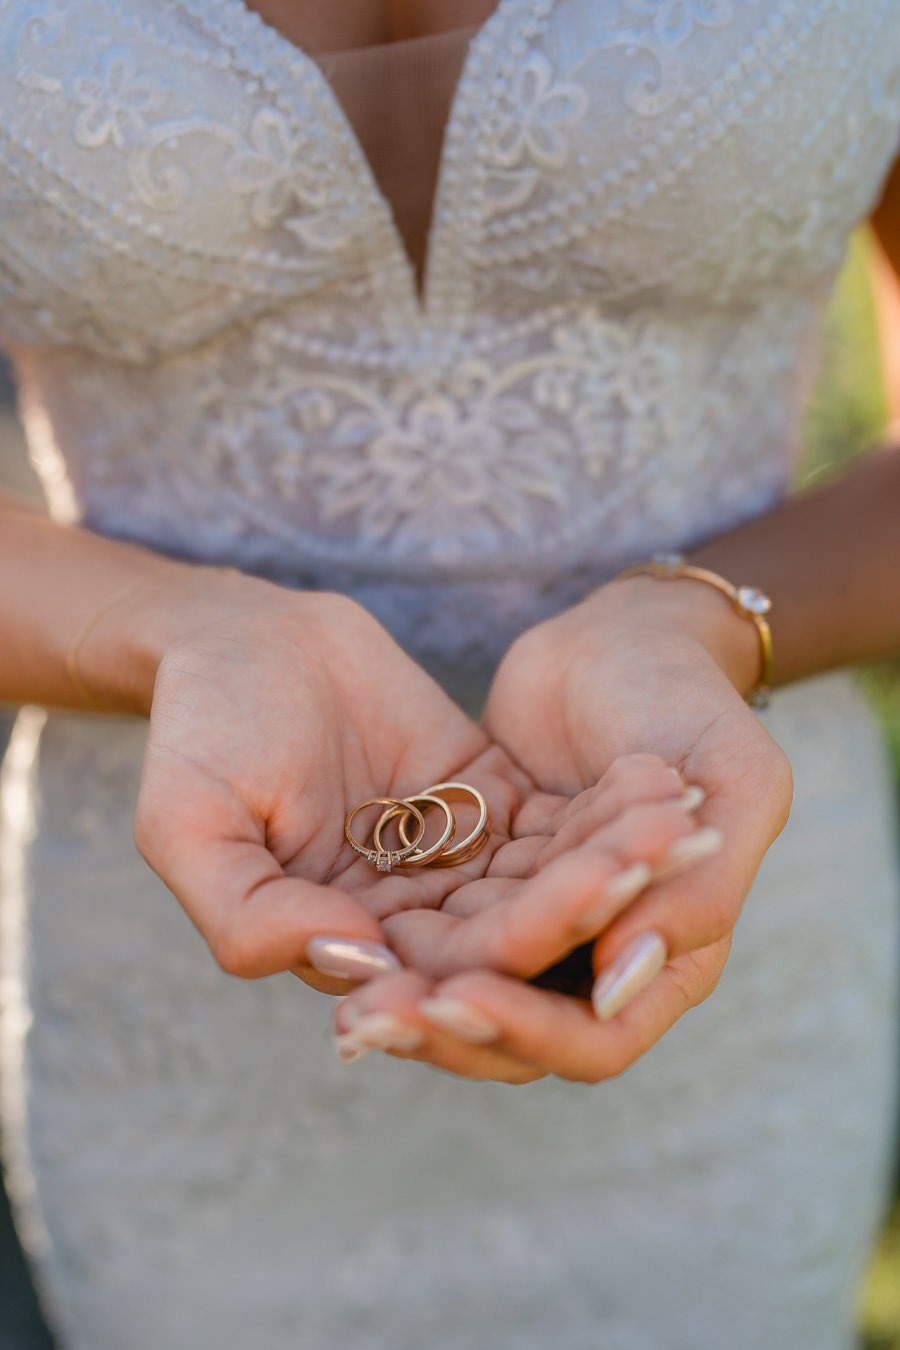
170 169
316 27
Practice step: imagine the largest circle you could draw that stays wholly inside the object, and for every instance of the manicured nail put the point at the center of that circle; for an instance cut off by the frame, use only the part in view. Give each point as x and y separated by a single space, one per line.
460 1019
347 1049
691 798
348 1014
382 1031
633 969
617 893
687 851
350 958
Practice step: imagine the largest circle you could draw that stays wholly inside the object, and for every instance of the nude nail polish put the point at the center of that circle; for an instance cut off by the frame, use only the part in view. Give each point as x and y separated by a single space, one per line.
618 892
348 1014
460 1019
633 969
347 1049
383 1031
692 798
693 848
350 958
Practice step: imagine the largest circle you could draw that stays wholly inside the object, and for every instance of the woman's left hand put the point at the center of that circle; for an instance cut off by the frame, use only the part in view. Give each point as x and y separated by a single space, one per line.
642 666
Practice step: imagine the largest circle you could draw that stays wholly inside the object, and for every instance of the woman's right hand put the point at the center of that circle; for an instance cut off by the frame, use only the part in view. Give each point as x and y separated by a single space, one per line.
273 713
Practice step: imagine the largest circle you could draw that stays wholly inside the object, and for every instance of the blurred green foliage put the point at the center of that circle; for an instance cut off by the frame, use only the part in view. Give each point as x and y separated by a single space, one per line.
847 411
846 416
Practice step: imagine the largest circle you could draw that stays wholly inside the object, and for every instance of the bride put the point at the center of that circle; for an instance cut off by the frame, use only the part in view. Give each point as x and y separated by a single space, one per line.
360 348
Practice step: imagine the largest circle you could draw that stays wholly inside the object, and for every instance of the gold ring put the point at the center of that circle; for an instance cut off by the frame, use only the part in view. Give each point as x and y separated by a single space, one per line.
384 859
474 841
404 809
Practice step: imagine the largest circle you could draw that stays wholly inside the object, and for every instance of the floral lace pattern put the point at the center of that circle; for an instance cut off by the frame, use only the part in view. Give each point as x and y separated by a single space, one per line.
530 136
116 104
660 28
640 208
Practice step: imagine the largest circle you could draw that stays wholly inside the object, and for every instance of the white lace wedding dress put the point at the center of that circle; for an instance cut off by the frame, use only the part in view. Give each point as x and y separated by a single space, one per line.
641 207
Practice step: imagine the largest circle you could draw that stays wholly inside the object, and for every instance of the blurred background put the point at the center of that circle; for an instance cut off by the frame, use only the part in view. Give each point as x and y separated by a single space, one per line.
845 417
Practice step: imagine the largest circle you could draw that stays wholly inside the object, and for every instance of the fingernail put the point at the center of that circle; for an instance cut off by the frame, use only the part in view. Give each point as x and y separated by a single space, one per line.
349 958
691 798
618 891
348 1050
633 969
687 851
461 1019
382 1031
347 1013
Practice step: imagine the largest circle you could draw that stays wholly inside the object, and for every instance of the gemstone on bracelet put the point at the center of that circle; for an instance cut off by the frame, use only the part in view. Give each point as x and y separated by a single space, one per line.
754 601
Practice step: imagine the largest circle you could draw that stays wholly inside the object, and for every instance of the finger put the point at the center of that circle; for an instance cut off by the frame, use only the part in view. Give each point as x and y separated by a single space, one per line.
538 920
323 984
256 919
629 780
557 1034
519 858
387 1015
701 906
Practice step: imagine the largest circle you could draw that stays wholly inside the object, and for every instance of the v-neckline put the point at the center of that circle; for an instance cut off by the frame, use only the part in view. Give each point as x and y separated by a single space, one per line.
421 302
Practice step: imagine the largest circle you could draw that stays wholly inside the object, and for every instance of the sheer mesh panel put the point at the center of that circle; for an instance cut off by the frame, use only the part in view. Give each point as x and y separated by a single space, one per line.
397 97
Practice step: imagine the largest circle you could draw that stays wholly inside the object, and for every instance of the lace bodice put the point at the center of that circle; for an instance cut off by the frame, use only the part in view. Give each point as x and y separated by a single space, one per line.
640 209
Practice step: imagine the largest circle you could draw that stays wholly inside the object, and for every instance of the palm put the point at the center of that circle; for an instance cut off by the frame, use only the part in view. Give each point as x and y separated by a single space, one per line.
257 751
665 696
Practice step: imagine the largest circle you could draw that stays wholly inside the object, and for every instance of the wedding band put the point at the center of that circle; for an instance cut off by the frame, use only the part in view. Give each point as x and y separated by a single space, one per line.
443 852
474 841
404 809
385 859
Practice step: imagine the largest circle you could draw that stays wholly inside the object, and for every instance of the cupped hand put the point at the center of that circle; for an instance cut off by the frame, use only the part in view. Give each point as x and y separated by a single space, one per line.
275 715
638 669
466 1005
647 666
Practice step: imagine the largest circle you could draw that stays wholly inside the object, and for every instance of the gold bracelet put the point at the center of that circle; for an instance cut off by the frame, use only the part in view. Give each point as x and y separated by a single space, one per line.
746 601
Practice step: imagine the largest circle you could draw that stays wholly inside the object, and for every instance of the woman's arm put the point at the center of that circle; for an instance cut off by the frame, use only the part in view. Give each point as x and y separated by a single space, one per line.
830 560
74 604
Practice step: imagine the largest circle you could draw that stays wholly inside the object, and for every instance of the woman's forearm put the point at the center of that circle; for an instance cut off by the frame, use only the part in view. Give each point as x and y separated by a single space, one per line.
84 620
828 558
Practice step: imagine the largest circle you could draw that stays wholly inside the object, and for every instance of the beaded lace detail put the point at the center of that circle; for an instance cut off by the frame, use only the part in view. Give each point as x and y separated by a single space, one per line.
640 208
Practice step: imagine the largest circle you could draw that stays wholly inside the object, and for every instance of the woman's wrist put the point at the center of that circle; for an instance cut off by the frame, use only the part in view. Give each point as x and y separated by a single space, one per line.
683 609
174 605
117 657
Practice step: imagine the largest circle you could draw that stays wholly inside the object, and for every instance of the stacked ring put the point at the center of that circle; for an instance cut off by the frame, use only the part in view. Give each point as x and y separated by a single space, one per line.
384 859
443 852
474 841
420 857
